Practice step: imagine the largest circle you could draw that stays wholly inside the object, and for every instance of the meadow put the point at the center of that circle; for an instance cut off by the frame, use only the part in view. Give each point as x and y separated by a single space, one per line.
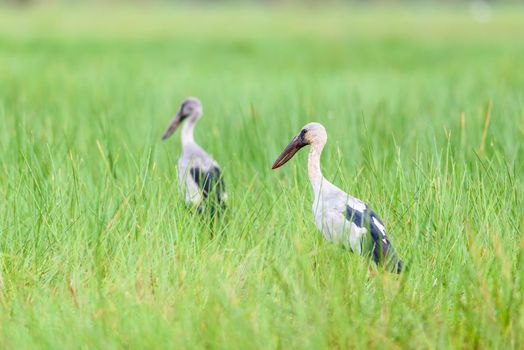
424 109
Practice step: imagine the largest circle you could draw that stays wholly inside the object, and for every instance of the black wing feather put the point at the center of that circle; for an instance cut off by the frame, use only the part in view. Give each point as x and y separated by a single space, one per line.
210 183
382 250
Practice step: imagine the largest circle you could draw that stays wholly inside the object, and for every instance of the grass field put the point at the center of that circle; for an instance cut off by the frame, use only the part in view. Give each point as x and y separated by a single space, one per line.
424 109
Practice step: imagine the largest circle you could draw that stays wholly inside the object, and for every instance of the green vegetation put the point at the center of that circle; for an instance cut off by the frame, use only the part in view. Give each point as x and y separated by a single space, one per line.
98 251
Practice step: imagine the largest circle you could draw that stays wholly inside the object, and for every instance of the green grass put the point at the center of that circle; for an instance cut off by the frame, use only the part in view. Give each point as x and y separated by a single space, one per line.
98 251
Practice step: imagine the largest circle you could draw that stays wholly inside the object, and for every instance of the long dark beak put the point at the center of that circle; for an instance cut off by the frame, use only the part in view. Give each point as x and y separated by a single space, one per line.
177 119
289 152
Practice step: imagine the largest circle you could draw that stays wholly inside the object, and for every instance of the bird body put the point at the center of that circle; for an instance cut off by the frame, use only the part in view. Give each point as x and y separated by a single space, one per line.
199 174
339 216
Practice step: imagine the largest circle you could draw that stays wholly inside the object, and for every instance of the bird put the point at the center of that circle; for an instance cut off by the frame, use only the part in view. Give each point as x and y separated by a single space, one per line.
339 216
199 174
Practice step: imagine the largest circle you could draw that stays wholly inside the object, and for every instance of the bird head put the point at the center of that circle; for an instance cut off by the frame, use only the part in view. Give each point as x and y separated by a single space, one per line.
190 108
310 134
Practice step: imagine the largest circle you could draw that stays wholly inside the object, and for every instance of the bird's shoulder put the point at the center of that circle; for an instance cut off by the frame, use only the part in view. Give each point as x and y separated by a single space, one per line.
341 199
195 156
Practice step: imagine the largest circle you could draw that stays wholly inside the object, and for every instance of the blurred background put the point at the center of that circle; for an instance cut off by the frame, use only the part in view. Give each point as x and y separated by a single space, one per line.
424 106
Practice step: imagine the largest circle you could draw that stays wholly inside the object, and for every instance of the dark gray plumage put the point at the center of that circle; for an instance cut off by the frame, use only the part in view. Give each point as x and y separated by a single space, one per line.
212 186
380 247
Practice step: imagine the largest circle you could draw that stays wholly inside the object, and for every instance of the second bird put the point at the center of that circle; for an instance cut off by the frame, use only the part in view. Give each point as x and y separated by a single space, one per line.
339 216
198 173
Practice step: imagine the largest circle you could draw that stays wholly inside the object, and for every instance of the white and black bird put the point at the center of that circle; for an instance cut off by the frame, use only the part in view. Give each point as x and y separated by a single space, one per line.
339 216
198 173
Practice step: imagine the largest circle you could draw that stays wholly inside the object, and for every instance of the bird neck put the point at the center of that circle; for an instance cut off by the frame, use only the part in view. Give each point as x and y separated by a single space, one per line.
187 131
313 167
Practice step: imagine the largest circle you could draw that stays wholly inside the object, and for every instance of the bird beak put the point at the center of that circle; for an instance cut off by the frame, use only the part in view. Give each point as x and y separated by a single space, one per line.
288 153
177 119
